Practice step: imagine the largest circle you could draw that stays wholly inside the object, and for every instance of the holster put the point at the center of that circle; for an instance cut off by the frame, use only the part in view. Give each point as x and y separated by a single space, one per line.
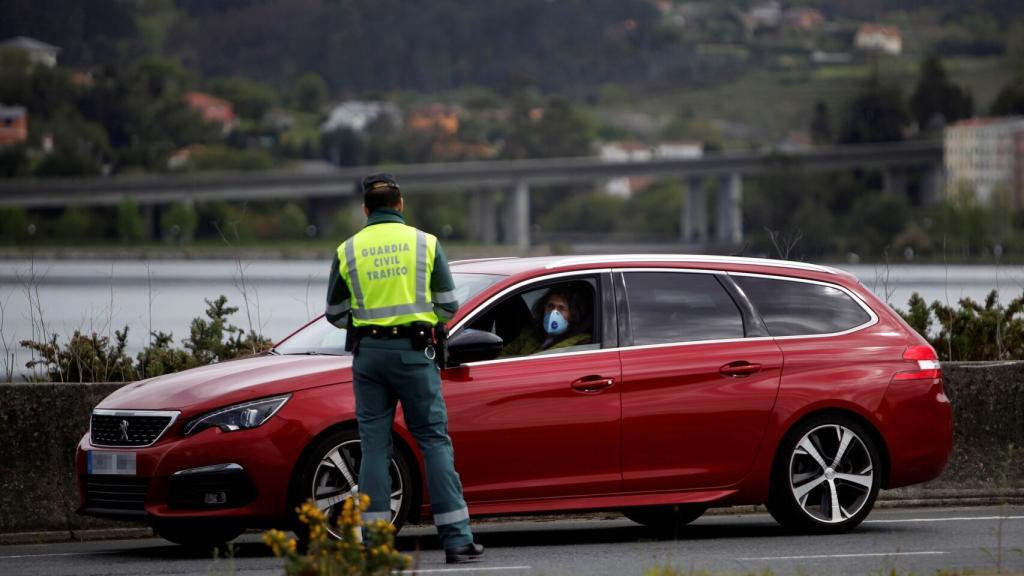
441 344
351 337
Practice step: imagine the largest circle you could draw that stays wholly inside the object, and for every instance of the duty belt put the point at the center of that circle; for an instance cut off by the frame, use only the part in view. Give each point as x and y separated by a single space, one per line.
411 331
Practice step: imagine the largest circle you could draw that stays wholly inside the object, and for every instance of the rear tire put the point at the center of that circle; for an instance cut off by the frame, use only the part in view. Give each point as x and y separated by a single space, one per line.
665 519
826 475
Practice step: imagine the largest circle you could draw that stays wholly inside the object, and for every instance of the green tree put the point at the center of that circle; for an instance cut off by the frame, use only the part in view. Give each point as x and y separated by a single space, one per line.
1010 100
14 223
251 99
292 221
595 212
821 125
876 219
15 77
876 114
144 112
179 222
556 130
654 211
936 100
130 225
75 225
1015 46
310 93
14 162
80 146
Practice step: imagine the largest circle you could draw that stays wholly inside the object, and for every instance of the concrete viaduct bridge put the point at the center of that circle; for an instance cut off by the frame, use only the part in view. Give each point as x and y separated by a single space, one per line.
327 190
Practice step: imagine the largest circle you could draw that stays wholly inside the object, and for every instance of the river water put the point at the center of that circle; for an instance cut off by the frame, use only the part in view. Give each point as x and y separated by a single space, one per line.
275 297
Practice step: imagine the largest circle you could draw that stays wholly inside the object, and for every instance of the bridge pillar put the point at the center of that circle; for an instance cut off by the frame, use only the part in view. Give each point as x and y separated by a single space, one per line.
519 217
694 215
729 221
150 223
485 217
895 181
931 184
324 212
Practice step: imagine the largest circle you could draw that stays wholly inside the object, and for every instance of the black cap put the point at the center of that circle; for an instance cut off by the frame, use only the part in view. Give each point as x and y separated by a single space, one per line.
379 181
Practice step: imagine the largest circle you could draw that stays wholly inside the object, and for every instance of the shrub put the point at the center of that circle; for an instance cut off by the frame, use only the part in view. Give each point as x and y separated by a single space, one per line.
74 225
14 225
84 358
93 358
216 339
970 331
347 555
292 222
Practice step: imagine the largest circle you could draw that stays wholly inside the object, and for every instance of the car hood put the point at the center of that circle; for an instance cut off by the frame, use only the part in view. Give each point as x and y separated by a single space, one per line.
230 382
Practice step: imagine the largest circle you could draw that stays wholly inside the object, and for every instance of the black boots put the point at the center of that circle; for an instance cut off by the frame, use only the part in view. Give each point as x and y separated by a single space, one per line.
467 553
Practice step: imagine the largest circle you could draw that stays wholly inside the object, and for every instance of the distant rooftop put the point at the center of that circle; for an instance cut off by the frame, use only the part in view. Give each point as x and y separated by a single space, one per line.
29 45
890 31
988 121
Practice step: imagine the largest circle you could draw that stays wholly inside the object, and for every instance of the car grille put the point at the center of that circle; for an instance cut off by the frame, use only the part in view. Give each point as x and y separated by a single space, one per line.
129 430
115 492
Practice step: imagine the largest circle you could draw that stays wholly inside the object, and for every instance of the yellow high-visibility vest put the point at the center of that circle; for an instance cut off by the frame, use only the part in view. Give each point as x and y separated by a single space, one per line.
387 268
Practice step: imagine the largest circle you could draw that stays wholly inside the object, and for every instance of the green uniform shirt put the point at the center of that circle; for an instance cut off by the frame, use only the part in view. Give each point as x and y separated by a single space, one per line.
529 343
441 283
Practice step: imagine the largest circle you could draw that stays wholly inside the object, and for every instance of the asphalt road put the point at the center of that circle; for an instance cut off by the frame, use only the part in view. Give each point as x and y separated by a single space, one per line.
920 541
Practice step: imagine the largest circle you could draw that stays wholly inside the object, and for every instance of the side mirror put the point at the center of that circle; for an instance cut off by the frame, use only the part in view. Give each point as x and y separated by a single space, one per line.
474 346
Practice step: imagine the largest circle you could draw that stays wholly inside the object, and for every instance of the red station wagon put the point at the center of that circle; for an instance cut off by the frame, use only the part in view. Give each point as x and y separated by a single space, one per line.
705 381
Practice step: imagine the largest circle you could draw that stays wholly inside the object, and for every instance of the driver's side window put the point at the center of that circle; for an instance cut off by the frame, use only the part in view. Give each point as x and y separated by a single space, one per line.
556 317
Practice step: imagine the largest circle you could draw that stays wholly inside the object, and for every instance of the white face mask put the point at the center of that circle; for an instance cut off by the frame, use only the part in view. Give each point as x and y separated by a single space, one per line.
554 323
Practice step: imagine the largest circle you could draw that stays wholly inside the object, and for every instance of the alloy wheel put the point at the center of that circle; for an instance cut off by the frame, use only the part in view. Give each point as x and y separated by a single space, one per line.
336 480
831 474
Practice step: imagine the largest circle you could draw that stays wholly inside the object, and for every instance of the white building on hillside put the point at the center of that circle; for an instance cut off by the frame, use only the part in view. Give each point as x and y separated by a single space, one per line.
357 115
878 38
986 155
631 151
38 52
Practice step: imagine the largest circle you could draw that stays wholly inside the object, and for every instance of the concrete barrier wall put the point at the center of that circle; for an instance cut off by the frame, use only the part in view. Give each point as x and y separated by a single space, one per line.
40 425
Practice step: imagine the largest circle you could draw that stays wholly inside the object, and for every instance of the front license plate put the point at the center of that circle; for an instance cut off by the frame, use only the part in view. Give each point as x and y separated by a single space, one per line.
104 462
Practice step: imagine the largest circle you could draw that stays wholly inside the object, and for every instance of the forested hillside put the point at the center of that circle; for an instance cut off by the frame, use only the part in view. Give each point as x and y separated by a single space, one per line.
360 46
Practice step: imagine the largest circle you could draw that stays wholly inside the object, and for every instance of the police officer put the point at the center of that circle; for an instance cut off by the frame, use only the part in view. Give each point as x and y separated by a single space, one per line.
389 285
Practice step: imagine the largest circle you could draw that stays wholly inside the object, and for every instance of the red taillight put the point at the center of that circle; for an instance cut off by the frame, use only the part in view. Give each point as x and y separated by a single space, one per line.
927 364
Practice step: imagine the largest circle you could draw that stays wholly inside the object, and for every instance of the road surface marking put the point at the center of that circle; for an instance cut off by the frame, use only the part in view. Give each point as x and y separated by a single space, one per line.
953 519
863 555
467 569
61 554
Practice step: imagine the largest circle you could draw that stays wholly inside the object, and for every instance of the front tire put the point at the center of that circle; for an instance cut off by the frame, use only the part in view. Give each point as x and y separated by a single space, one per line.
826 475
198 535
329 475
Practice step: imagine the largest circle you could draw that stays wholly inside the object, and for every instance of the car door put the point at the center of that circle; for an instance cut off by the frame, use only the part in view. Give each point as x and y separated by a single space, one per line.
699 380
540 426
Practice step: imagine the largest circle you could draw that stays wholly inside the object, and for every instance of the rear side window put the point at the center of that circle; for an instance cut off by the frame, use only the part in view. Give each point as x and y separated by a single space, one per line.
791 308
680 307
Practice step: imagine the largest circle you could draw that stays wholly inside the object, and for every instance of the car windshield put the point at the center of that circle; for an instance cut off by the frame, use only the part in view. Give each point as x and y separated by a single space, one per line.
322 337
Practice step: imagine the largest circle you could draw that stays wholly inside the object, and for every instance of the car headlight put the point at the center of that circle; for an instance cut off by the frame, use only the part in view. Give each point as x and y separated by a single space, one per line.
238 416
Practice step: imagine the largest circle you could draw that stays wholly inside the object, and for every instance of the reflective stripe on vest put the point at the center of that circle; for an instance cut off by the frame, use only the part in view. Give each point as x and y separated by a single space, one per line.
387 268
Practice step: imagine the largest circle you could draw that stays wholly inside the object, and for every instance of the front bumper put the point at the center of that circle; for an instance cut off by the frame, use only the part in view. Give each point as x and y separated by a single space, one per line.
213 474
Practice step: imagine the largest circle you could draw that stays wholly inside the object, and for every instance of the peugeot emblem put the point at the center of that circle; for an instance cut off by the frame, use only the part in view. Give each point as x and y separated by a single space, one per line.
124 430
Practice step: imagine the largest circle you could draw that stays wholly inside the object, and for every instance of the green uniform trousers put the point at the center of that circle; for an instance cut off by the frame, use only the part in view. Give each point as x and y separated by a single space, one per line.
385 372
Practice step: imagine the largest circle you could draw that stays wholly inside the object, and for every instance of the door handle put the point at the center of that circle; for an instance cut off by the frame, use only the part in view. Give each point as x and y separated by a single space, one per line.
740 369
592 384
